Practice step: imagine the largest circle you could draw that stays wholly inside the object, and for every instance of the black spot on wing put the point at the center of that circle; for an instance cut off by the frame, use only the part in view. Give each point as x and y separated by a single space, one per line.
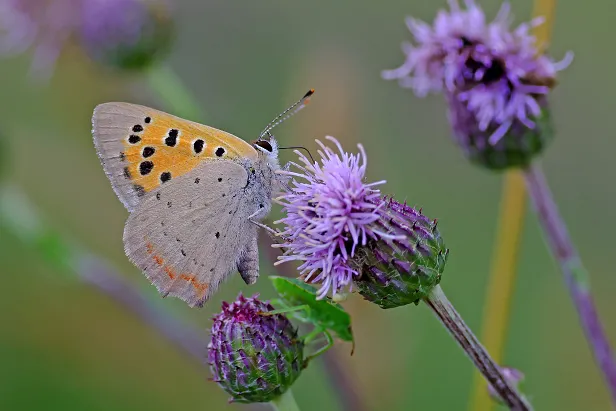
164 177
139 190
172 137
148 152
198 146
145 167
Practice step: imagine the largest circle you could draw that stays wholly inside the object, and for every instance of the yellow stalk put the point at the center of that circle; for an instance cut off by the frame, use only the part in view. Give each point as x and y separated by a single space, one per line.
504 261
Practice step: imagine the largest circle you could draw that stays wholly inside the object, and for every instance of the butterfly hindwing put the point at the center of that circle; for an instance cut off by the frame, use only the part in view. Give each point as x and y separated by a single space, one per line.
188 236
141 148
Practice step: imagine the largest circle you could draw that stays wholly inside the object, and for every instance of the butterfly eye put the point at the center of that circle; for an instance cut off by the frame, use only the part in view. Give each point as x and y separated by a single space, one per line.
264 144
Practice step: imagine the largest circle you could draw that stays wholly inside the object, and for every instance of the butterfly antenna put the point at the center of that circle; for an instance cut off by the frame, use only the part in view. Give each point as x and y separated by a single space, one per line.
289 112
299 148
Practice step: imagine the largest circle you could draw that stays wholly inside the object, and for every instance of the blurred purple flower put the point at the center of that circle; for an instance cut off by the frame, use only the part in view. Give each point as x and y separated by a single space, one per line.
493 71
109 29
253 356
328 216
126 34
43 25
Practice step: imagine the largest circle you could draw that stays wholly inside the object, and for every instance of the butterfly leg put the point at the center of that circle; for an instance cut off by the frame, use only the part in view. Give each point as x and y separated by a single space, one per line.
267 228
282 178
248 265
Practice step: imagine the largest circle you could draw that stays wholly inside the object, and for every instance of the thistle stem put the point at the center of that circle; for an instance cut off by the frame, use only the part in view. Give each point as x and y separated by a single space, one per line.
576 276
285 402
456 326
511 219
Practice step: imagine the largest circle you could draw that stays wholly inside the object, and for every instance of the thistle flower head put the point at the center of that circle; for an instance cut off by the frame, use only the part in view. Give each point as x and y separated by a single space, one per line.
495 79
254 356
345 233
330 211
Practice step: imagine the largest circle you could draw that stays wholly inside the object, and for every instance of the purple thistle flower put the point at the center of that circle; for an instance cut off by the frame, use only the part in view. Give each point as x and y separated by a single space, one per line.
328 215
253 356
343 232
494 77
118 33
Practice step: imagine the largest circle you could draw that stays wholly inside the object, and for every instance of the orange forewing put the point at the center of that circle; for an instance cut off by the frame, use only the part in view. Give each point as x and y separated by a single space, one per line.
153 154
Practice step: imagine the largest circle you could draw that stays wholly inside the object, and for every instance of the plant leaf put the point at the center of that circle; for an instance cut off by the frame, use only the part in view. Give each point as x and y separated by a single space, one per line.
321 313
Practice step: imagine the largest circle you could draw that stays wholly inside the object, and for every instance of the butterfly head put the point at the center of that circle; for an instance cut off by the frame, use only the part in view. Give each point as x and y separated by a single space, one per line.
268 147
266 143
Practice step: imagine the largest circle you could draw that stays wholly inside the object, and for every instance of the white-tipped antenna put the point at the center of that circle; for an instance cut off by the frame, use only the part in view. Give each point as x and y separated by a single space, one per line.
295 107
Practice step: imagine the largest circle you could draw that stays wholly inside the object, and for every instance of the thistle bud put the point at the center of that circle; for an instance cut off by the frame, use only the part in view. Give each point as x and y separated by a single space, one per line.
253 356
345 233
126 34
405 266
495 79
513 377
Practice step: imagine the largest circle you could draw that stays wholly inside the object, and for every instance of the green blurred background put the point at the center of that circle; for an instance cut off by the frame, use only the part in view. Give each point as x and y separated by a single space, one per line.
65 346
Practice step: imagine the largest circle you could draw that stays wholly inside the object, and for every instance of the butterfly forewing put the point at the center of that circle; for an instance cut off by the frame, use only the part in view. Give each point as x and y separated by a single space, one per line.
141 148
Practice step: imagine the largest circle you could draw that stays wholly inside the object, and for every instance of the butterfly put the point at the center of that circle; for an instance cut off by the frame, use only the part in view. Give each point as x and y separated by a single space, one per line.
195 195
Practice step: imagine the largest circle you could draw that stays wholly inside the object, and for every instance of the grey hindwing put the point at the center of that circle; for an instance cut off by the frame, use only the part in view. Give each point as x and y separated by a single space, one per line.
188 236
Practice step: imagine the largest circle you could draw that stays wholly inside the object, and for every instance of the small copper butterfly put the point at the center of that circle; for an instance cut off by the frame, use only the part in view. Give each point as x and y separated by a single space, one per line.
195 195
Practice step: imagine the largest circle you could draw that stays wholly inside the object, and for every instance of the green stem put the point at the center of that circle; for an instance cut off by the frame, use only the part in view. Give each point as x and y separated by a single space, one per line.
285 402
165 82
19 217
456 326
322 350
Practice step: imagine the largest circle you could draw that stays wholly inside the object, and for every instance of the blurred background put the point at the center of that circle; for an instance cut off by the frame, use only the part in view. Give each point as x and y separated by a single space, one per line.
64 345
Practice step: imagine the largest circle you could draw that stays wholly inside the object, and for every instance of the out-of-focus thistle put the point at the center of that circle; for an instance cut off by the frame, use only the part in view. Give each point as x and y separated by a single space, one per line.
513 376
344 233
495 81
254 356
125 34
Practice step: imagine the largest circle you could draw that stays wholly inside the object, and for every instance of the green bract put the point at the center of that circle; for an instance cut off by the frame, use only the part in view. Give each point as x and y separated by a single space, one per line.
405 267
